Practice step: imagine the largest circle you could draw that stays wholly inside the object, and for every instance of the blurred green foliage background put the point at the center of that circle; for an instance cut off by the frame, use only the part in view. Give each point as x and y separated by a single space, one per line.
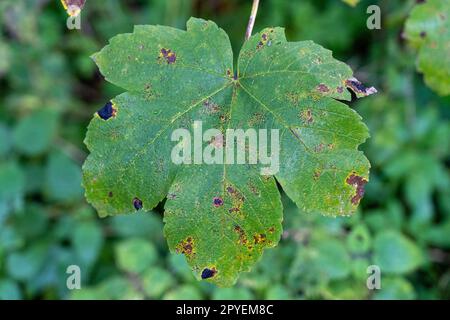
50 88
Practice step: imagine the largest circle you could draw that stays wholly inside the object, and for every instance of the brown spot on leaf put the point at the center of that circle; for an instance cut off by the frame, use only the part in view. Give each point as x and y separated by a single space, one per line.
230 189
242 237
217 141
359 183
172 196
317 174
234 210
307 116
211 107
323 88
168 55
259 238
319 147
253 189
264 41
223 118
186 247
256 118
293 97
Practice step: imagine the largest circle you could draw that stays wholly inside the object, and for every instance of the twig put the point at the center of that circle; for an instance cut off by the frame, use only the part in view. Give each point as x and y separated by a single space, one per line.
251 21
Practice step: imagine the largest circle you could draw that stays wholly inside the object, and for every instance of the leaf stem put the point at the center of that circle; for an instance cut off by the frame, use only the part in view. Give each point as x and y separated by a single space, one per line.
251 21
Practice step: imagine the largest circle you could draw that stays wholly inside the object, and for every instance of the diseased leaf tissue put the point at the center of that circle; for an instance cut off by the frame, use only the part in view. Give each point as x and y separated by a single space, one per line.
221 217
73 7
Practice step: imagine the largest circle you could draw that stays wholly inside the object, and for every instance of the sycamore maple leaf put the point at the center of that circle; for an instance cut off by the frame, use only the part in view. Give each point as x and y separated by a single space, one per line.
222 216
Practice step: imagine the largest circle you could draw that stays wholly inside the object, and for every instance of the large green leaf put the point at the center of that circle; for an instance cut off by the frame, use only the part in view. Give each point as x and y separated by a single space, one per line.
221 217
428 28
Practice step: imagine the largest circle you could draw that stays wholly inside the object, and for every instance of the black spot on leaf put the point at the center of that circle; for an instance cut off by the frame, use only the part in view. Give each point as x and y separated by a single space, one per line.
217 201
358 88
208 273
107 111
137 203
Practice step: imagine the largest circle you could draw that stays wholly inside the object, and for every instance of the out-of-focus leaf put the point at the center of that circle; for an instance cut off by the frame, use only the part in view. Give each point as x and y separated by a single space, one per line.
63 178
395 289
394 253
32 221
278 292
12 185
24 265
5 57
428 28
179 266
359 240
439 235
156 281
10 239
9 290
5 140
346 290
183 292
333 260
34 133
232 294
87 240
119 288
89 294
135 255
35 177
139 224
359 268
